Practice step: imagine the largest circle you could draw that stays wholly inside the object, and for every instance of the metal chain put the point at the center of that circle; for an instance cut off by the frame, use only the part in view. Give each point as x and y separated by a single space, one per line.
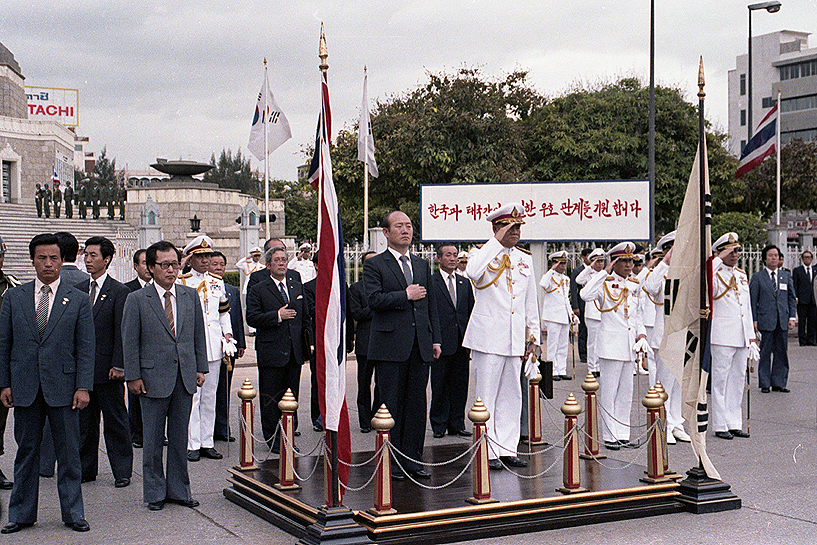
367 483
556 460
628 464
433 464
429 487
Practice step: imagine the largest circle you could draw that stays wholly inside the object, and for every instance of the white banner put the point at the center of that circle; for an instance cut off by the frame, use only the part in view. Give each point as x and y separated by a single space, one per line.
53 104
557 211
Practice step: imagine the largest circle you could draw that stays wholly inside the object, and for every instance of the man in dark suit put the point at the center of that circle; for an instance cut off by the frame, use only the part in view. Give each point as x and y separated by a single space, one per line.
449 374
357 307
774 305
165 360
577 303
218 264
405 337
803 277
71 275
263 274
275 308
46 325
134 407
107 297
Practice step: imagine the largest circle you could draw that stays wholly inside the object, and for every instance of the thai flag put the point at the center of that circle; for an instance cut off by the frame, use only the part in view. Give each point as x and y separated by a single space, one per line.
55 179
761 145
330 293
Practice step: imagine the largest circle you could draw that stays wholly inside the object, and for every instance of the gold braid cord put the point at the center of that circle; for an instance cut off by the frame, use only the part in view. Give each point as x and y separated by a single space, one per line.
557 284
504 265
654 302
203 289
622 297
733 285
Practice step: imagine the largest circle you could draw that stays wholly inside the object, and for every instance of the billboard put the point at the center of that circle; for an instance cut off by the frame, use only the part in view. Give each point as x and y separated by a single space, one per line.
53 104
556 211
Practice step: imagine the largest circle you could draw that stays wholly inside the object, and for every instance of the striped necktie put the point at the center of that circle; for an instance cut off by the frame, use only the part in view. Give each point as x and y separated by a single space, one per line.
169 313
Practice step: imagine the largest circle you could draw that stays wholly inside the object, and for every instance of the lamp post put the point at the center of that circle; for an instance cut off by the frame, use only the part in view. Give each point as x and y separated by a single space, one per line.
772 6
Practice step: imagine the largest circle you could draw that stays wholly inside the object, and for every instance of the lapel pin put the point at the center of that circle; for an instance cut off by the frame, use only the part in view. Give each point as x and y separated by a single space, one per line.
65 301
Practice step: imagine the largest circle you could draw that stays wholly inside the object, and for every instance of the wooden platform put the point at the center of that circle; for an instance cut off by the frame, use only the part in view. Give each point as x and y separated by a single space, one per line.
443 516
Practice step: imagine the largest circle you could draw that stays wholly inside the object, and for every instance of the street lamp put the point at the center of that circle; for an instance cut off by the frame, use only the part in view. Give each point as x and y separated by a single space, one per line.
772 6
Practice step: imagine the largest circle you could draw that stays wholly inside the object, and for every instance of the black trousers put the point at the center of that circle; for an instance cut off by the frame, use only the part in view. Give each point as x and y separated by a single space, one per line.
403 390
449 391
225 381
807 324
367 404
108 400
272 385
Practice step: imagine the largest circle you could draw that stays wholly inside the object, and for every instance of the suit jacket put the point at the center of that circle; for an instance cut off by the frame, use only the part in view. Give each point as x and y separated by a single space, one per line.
151 352
357 307
575 300
772 309
392 336
107 312
72 275
276 342
453 321
803 287
257 277
236 315
133 285
60 362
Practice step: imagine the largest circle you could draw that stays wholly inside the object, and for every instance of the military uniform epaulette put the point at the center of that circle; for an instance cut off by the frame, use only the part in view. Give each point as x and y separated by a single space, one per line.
633 279
610 278
740 270
523 250
213 275
186 275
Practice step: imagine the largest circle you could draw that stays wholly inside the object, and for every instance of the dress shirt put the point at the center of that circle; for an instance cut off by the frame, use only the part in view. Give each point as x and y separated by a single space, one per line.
38 286
161 291
397 255
99 282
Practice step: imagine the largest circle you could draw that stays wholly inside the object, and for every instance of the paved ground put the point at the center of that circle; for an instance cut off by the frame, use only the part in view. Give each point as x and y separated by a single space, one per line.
774 473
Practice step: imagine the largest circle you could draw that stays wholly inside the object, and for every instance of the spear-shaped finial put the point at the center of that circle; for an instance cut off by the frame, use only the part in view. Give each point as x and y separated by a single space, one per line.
365 69
265 62
701 81
323 53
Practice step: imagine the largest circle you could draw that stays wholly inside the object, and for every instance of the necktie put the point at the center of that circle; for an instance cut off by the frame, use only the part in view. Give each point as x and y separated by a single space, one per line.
809 274
452 289
774 280
93 292
42 309
406 269
169 313
283 291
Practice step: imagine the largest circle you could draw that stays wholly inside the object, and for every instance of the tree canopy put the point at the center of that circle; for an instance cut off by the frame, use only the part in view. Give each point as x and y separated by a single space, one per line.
234 172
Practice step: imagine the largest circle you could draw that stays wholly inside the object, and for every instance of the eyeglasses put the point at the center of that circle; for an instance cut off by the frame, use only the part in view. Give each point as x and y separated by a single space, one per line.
165 265
279 260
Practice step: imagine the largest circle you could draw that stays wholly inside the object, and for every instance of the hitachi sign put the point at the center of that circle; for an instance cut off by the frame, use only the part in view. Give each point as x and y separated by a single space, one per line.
53 104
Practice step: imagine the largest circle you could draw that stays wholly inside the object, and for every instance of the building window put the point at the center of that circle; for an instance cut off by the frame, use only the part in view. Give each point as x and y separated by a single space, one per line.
743 118
742 144
808 135
803 69
742 84
768 102
797 104
5 188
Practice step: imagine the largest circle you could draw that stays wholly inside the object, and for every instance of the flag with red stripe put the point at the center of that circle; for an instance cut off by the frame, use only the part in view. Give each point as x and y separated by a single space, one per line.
762 144
330 293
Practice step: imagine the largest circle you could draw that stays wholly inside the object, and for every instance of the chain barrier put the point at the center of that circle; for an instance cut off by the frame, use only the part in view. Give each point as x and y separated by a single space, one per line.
636 454
438 487
368 482
556 460
361 464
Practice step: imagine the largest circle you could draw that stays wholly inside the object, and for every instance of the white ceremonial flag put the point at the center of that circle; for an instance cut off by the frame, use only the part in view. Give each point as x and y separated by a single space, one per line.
365 140
275 121
681 345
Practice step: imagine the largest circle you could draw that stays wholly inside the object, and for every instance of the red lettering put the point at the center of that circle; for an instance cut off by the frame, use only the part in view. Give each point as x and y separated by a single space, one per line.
547 210
39 110
602 208
433 211
65 110
51 109
475 210
31 108
454 211
634 207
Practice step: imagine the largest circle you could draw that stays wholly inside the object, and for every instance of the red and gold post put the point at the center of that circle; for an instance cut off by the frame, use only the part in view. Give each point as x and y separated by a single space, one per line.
571 473
247 451
286 473
591 419
382 423
655 455
481 479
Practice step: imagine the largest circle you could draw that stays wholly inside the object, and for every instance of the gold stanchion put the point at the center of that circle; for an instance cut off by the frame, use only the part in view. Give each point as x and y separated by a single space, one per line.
286 474
655 457
247 451
481 479
591 419
665 430
534 412
382 423
571 475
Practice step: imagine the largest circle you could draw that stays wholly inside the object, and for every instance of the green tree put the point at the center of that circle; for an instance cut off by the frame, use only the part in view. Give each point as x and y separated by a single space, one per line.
798 181
301 204
457 128
105 168
748 226
602 134
234 172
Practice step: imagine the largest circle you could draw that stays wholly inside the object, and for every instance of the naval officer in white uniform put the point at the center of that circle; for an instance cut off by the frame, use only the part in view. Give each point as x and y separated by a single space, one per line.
557 315
503 329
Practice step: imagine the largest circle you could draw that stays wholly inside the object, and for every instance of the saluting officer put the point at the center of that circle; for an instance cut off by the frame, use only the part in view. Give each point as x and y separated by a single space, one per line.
732 338
621 336
653 301
556 313
217 326
503 329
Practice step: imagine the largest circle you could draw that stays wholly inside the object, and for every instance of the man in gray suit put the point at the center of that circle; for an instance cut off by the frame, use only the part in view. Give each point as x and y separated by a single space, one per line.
46 325
165 360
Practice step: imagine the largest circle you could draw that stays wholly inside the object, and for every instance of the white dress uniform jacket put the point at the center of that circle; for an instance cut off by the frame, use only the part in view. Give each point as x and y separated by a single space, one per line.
619 302
731 310
556 303
505 286
247 266
214 305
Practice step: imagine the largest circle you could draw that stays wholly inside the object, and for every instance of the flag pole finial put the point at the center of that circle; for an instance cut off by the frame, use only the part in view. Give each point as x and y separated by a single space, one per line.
365 69
701 81
323 53
265 62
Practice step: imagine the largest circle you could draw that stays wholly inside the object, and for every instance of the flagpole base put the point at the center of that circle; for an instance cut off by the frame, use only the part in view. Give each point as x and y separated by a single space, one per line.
565 490
700 494
335 525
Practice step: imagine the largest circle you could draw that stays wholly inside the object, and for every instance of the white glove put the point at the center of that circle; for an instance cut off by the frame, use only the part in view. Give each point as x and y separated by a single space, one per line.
229 347
754 352
531 367
641 345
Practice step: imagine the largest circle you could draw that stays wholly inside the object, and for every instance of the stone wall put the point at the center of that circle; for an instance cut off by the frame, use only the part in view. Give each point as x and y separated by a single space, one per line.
39 144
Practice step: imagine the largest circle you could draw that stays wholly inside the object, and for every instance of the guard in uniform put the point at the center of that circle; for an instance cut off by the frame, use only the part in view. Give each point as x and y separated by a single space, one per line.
247 266
82 199
732 338
46 201
503 329
217 327
653 300
68 196
592 314
557 314
38 200
621 336
57 201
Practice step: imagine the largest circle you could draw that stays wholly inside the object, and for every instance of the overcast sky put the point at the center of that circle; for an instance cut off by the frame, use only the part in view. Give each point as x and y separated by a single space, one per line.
179 79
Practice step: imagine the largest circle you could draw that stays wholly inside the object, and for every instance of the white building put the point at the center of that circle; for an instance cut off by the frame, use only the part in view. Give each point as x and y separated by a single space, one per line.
779 60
